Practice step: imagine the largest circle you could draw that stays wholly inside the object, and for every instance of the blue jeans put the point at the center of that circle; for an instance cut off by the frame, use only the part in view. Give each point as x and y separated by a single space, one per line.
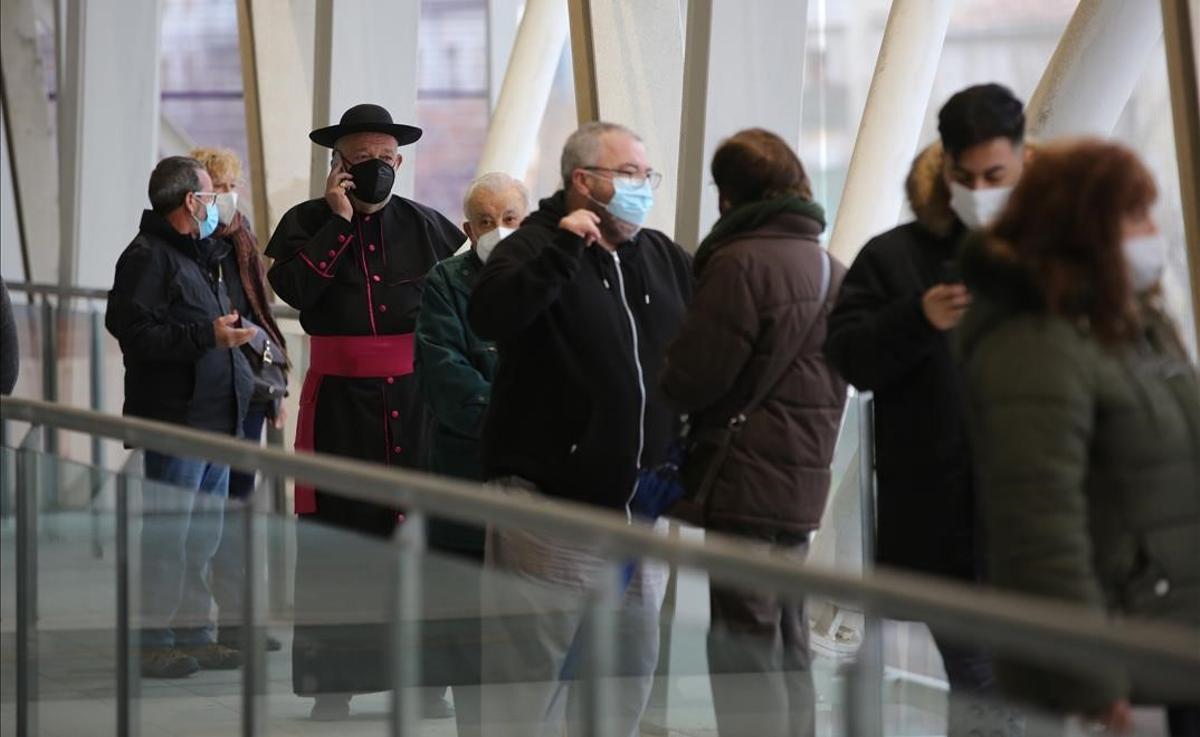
228 566
184 503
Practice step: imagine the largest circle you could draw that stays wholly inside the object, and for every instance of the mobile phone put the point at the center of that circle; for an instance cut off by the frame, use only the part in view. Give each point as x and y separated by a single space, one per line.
335 159
950 273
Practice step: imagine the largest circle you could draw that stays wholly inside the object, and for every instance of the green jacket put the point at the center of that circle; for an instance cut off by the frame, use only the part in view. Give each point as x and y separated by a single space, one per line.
1088 459
454 368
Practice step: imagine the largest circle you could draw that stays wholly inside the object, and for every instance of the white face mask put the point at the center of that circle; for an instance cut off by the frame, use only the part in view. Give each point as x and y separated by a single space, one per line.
1147 259
977 207
487 242
226 207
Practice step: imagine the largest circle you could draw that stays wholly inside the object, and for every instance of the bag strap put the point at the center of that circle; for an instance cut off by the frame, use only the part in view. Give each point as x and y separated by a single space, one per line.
776 370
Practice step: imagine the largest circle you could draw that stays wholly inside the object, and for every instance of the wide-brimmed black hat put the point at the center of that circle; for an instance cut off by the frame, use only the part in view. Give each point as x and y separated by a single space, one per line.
365 118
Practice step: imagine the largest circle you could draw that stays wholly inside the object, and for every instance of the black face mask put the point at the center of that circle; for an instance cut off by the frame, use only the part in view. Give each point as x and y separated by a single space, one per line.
373 180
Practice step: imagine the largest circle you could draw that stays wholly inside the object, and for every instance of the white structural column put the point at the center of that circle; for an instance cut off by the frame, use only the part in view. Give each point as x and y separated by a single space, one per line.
628 57
744 68
366 51
27 128
517 117
12 256
891 122
109 121
871 202
278 95
1095 67
502 19
1181 21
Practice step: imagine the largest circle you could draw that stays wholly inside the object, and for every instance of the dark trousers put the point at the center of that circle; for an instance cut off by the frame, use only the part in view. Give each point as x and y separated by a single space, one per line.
1183 721
759 662
976 705
454 648
228 565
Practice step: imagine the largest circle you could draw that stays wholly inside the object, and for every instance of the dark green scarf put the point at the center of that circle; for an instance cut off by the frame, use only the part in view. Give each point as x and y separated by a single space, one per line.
750 216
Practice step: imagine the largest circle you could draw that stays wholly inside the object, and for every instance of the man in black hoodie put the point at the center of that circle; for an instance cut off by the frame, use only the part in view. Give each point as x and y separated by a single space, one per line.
582 302
889 334
169 311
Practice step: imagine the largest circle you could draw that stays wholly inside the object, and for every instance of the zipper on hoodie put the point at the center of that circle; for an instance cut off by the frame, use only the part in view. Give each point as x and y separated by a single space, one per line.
637 361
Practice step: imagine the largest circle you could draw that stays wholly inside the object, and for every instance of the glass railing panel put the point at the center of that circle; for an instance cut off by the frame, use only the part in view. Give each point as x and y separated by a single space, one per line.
8 593
68 643
938 683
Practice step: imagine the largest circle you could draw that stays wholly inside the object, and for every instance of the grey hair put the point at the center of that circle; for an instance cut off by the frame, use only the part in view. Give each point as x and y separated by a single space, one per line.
493 181
171 181
583 146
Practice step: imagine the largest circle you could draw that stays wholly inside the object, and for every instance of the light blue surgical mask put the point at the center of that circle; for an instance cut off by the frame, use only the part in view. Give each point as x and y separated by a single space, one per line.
631 203
212 218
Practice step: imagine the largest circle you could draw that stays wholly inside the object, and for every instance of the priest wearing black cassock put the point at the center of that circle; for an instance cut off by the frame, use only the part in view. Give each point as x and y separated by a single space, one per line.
352 263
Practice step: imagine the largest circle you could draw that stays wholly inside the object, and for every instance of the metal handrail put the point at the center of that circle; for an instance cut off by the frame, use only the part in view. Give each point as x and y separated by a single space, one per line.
57 290
1036 628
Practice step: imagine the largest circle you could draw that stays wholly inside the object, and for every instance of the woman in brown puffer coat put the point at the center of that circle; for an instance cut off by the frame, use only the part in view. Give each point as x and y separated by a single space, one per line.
764 293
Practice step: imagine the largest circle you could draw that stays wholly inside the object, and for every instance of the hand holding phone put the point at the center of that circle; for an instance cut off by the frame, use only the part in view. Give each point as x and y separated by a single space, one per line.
336 187
950 272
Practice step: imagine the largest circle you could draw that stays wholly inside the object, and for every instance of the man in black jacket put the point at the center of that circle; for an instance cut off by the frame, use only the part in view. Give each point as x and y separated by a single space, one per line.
170 313
582 302
889 334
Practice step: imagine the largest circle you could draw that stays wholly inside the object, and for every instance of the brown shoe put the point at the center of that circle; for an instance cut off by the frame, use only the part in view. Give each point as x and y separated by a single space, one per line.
167 662
214 656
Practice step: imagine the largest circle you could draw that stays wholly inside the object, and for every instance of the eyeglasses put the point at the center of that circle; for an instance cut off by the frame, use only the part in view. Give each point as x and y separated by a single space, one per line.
211 197
632 179
389 159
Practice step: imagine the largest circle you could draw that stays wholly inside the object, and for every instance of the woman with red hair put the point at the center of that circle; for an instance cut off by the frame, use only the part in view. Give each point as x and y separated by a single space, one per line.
1085 418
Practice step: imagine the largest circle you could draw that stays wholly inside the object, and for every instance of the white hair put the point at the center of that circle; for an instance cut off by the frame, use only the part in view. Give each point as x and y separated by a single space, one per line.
583 146
494 182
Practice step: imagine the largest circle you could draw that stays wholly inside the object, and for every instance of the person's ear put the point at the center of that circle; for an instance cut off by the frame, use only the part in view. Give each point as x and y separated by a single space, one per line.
399 161
579 182
467 229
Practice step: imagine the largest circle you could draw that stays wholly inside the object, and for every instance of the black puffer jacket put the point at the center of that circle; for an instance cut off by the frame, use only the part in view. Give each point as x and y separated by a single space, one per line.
165 297
581 334
880 341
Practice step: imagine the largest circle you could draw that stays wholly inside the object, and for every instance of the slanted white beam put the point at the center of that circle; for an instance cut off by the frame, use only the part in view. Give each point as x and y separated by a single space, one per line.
628 58
278 95
1181 25
744 68
13 259
891 123
502 20
108 127
1094 69
30 141
512 134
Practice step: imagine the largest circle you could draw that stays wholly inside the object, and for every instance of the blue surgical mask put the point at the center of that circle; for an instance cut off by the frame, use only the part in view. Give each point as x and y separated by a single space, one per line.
631 203
212 218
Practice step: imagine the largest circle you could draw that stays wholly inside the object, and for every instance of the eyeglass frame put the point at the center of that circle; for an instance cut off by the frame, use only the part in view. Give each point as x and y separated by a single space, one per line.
207 194
653 177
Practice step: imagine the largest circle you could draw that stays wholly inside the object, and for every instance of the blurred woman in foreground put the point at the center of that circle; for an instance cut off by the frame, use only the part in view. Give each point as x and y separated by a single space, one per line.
1085 418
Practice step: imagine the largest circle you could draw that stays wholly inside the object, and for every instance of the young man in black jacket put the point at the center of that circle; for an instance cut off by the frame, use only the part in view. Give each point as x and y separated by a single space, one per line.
889 334
170 313
582 302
